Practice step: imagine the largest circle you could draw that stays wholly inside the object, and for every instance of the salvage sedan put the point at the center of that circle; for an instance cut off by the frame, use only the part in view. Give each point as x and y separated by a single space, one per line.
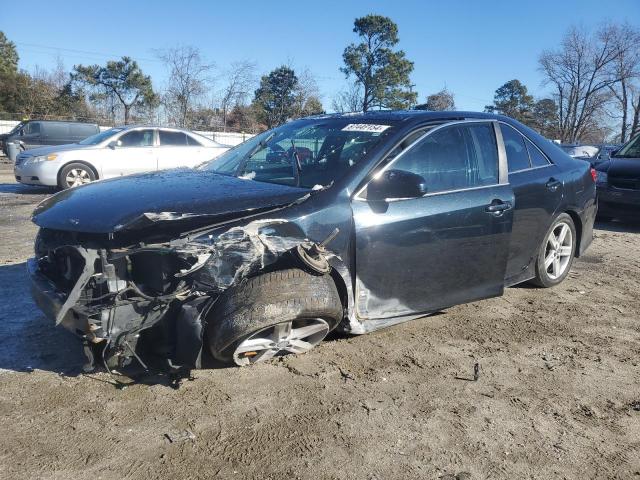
352 222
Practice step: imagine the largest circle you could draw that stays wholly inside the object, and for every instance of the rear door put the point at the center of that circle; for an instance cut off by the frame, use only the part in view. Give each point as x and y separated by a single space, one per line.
134 152
446 247
538 191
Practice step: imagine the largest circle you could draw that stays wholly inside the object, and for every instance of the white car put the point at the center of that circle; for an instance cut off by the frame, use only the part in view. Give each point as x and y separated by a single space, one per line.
580 151
113 153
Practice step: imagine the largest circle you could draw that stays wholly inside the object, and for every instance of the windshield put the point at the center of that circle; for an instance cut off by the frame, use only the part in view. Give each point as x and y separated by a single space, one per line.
631 149
100 137
16 128
308 153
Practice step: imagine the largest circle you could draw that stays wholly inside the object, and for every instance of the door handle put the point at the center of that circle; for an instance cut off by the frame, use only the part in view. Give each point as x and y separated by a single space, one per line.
497 207
553 184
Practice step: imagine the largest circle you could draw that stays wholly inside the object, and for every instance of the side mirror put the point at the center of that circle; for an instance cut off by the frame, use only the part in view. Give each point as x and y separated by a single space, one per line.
396 184
115 143
21 132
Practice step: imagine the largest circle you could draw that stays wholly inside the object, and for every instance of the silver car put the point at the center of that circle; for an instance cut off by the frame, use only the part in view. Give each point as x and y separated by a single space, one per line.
113 153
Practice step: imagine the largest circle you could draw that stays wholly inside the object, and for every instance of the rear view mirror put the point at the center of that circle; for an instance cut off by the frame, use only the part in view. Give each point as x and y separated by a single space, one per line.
396 184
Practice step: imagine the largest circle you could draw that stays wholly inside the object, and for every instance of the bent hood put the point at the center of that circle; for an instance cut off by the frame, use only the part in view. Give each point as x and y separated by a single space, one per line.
154 199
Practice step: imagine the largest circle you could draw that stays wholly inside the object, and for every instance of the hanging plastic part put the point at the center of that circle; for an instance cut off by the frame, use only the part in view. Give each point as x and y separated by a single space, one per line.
313 255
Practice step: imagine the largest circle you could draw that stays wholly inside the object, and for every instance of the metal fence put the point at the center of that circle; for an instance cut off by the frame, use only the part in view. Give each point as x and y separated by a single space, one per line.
225 138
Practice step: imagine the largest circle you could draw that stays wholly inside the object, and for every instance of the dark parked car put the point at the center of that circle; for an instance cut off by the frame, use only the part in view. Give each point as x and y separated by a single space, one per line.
618 183
38 133
392 216
604 153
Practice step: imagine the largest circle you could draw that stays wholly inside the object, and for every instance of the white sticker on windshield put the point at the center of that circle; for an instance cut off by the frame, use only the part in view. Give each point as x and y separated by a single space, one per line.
365 127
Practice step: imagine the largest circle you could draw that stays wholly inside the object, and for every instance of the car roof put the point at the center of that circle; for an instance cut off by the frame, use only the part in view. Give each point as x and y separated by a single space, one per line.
408 115
74 122
144 125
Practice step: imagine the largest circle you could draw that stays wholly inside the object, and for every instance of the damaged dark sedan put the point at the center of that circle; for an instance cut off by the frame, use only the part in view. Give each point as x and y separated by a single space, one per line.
352 222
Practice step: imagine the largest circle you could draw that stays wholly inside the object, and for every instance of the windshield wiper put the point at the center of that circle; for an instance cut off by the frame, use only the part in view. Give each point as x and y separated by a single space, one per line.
297 168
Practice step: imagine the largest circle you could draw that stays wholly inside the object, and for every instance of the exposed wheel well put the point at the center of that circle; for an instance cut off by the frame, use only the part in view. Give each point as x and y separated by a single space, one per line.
578 224
342 289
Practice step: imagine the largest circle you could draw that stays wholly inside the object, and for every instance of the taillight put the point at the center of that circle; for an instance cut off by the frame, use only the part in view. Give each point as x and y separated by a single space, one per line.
594 175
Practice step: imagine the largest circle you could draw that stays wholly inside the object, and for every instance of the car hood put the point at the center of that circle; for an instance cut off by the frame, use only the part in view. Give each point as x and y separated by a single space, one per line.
183 198
624 167
57 148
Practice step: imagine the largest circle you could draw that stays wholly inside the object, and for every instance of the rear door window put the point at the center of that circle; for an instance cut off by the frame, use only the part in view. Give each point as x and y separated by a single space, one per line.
193 142
172 139
517 154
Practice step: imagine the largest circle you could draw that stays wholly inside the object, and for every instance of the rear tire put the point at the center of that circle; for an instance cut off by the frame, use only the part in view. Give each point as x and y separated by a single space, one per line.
75 174
556 254
271 306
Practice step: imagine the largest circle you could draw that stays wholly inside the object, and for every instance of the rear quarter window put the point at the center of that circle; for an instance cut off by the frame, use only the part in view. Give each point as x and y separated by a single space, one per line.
538 159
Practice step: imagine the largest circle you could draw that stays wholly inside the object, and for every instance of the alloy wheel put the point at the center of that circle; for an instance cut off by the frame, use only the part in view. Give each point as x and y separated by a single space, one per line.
296 336
77 176
558 250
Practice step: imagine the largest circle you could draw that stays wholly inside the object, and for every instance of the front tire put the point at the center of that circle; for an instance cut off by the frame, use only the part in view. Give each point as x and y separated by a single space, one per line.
275 314
556 253
74 175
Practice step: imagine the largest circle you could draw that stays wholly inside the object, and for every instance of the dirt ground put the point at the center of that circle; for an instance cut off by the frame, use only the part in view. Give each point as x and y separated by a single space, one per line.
558 394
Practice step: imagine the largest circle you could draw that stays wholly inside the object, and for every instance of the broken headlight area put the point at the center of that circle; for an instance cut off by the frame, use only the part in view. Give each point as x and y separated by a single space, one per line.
109 297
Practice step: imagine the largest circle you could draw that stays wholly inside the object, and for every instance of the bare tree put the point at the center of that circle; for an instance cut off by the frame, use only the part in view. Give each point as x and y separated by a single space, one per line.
580 72
239 80
439 101
348 100
307 95
626 69
189 77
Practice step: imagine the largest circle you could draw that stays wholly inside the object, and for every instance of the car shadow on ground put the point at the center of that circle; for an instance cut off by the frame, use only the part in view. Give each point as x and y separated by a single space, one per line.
627 226
28 340
20 189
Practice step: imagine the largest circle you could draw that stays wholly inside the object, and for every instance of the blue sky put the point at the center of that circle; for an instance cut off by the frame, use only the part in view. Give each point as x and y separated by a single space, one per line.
472 47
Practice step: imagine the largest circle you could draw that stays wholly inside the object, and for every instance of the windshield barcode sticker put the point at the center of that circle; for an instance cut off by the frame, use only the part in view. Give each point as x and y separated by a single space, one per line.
365 127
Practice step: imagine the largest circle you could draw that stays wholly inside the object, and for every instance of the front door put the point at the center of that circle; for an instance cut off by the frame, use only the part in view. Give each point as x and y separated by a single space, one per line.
134 153
446 247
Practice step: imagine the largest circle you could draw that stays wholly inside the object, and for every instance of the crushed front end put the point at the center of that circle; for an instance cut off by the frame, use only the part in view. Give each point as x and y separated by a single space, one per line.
131 301
109 296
